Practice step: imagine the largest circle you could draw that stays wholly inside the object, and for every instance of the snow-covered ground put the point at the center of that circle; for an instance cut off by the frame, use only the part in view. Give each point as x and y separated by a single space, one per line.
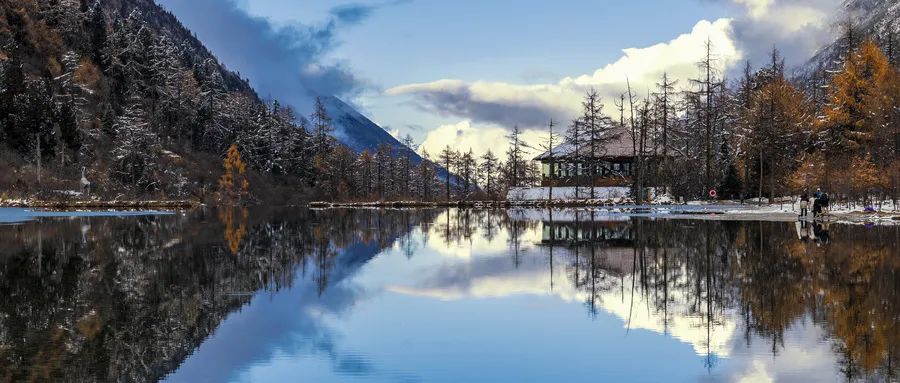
784 209
567 193
885 212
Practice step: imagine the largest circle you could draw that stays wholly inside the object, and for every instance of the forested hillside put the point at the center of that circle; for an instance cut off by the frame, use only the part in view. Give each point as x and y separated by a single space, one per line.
116 99
121 91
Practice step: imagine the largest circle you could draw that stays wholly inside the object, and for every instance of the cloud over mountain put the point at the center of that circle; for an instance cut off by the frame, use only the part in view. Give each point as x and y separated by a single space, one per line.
286 62
798 28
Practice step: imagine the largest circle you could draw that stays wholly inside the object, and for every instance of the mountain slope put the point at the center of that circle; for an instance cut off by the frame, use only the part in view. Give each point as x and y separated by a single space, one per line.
357 131
120 93
879 19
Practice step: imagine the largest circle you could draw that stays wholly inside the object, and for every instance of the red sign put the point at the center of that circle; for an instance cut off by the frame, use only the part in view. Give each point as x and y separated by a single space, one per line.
712 193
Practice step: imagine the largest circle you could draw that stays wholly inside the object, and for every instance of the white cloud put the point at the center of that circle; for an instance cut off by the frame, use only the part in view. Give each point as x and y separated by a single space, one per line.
506 104
464 135
756 8
798 28
488 109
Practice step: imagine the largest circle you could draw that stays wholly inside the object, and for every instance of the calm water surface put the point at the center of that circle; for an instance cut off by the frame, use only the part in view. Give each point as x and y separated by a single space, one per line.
443 296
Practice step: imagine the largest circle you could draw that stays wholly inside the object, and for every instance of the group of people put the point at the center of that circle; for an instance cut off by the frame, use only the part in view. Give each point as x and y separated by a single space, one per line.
819 203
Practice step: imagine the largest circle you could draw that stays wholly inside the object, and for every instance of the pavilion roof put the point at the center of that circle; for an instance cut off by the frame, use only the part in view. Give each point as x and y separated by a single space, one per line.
617 145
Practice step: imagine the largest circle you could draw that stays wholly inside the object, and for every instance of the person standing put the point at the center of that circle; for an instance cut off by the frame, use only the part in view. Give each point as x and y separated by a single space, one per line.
804 204
817 202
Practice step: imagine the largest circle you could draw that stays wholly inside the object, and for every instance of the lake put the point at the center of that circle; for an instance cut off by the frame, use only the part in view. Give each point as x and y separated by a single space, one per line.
446 295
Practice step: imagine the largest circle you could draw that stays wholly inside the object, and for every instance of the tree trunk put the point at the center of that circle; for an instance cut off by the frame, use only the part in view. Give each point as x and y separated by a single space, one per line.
760 195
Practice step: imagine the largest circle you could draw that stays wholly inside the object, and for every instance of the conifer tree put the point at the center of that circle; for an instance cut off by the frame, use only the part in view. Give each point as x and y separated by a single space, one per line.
233 185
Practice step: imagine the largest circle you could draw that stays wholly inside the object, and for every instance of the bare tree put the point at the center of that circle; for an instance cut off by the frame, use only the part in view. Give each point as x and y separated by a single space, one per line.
549 145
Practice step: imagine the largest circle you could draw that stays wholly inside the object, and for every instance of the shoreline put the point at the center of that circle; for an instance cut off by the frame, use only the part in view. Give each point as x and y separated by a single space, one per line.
721 211
109 204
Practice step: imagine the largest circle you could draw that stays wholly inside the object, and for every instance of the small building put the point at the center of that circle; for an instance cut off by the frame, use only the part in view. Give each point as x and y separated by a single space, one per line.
610 164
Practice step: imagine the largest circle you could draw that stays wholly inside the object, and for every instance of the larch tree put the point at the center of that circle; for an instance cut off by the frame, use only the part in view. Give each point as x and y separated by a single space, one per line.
514 156
576 137
447 158
233 184
780 120
488 168
599 131
664 105
860 105
549 146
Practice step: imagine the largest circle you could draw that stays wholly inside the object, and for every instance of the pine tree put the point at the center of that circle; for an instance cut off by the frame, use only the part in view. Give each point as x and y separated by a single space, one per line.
322 128
96 27
68 127
136 146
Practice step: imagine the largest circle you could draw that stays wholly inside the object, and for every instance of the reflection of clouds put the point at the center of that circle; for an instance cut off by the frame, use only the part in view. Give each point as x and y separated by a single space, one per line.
296 330
490 278
478 243
688 328
805 356
481 275
757 373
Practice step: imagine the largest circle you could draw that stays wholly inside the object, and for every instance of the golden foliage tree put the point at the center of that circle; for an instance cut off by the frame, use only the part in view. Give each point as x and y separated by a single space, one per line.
780 120
859 98
233 185
809 174
235 222
866 177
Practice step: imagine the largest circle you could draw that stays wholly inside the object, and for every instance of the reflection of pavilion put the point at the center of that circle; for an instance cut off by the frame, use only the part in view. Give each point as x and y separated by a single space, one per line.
609 259
609 243
611 233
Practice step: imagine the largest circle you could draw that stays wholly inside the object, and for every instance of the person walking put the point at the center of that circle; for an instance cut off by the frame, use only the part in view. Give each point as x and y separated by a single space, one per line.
804 204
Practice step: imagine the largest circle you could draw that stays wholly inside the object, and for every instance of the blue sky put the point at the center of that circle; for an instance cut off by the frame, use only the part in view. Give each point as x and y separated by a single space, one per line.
464 72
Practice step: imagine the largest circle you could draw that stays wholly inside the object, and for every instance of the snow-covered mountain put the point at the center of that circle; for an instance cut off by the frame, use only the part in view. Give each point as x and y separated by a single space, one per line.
874 18
357 131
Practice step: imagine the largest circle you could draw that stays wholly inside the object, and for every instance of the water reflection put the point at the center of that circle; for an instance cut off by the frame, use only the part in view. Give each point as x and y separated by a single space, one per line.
445 295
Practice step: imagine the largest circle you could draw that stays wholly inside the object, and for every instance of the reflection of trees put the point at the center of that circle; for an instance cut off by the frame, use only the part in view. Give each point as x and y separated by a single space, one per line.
860 287
759 270
111 299
774 285
235 221
100 299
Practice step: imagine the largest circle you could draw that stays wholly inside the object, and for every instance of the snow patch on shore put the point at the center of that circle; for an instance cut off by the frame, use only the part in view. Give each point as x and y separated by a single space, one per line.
567 193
